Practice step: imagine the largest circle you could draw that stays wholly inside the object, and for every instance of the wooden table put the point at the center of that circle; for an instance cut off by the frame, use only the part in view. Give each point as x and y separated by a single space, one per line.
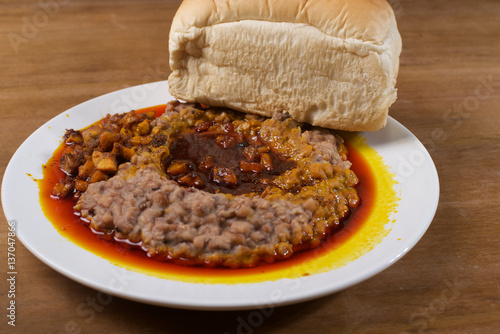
55 54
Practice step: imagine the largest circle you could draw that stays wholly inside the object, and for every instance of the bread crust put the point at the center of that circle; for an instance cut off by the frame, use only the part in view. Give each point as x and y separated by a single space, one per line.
328 63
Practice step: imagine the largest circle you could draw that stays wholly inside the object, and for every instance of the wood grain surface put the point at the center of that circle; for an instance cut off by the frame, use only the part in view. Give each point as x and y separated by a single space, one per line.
55 54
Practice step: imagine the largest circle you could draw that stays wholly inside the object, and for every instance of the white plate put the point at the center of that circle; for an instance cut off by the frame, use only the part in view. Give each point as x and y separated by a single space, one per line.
405 156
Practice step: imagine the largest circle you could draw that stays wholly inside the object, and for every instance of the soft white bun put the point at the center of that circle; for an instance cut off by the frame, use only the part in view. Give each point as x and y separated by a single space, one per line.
330 63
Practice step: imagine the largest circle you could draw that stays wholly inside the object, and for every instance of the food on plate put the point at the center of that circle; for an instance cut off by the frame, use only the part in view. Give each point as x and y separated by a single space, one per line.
209 186
241 174
330 63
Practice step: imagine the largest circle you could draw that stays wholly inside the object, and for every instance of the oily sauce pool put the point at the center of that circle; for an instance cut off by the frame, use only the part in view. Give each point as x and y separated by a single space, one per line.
60 213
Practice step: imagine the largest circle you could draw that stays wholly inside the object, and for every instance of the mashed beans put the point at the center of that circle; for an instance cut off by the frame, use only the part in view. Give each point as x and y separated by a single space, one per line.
213 187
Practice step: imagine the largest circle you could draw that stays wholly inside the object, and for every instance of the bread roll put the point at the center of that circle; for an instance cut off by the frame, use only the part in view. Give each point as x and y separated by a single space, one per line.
330 63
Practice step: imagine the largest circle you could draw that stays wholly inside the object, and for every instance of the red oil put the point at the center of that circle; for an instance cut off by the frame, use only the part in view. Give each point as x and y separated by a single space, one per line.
60 213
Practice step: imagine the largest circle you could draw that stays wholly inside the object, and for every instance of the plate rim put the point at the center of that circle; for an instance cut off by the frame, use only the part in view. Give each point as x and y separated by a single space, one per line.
206 304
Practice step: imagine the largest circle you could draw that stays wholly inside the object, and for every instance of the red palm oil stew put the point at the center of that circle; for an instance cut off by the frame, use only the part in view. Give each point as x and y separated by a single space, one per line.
60 212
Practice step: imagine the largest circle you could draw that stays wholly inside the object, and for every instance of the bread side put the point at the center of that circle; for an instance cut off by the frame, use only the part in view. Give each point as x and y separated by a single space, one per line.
326 70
